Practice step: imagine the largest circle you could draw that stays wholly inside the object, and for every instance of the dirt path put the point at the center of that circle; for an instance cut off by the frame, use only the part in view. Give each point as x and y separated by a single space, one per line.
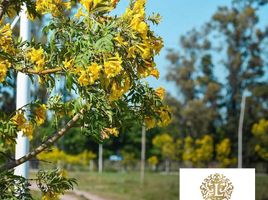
75 196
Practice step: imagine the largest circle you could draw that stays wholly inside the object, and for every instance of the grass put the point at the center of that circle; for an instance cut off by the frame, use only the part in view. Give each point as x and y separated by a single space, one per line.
126 186
261 187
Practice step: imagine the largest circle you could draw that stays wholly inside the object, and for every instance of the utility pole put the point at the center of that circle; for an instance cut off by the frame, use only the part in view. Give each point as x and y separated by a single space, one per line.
240 131
100 164
143 151
23 98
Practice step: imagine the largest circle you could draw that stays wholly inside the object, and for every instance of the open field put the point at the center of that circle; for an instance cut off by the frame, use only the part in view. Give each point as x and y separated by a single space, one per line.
126 186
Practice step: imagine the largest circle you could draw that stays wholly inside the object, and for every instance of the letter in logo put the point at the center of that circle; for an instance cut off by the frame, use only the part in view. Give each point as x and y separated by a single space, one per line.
216 187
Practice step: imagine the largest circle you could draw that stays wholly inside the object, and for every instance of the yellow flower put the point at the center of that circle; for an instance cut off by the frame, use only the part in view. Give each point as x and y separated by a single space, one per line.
149 122
165 118
114 2
155 73
37 57
49 196
19 119
89 76
68 64
120 40
63 173
6 43
113 67
4 65
27 130
55 7
87 4
153 160
79 13
132 52
139 5
105 133
160 92
40 114
158 45
117 90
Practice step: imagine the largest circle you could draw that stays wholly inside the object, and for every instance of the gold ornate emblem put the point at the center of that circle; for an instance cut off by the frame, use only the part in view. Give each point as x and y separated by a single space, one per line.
216 187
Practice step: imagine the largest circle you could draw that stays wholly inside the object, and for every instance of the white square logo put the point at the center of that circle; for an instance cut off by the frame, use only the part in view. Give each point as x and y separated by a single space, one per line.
217 184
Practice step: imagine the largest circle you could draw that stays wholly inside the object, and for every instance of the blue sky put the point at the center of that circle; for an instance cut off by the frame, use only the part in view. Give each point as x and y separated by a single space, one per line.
178 17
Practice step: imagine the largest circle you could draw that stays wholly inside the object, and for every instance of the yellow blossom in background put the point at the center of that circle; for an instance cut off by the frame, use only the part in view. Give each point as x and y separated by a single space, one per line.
90 75
54 7
160 92
260 131
40 114
260 128
37 57
113 66
204 149
188 151
223 151
153 160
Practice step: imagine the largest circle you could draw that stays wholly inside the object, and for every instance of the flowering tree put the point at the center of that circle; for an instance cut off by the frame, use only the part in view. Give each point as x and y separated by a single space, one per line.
104 59
260 131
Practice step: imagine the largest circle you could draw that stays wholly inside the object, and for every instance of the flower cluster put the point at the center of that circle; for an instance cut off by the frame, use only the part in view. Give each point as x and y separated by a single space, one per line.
90 75
37 57
6 46
27 126
54 7
260 131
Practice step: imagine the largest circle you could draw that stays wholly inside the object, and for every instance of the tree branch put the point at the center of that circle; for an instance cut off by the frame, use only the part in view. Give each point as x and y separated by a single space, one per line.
43 72
50 141
3 8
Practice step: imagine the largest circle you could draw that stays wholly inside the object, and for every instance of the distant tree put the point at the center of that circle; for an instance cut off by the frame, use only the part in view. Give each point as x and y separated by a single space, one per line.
232 42
165 144
223 153
260 131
